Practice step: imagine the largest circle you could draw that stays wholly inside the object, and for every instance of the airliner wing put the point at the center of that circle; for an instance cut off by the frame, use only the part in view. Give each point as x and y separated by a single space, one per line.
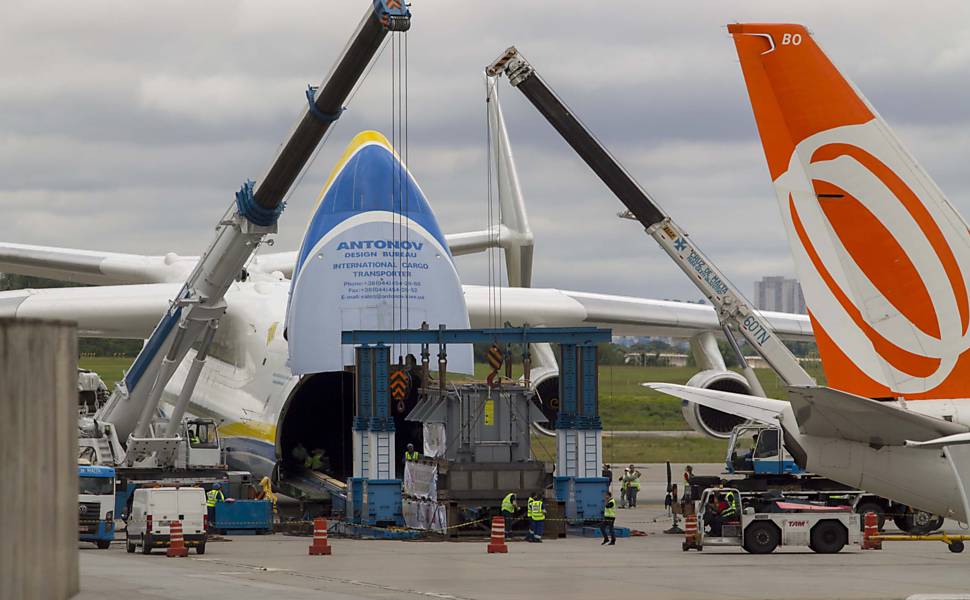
754 408
113 268
91 267
625 315
122 311
826 412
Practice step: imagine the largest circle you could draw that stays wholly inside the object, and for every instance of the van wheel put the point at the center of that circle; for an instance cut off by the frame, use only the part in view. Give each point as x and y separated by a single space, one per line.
104 544
146 544
129 545
200 549
761 538
828 537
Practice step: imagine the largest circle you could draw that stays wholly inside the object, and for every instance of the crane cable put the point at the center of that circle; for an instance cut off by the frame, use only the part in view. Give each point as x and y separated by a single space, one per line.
400 186
493 216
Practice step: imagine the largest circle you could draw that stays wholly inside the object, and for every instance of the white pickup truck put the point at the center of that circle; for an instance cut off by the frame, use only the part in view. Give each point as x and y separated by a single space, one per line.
154 509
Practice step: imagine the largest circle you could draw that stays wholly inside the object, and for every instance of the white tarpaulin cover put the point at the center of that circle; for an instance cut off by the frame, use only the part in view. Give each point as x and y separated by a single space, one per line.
424 514
435 440
421 480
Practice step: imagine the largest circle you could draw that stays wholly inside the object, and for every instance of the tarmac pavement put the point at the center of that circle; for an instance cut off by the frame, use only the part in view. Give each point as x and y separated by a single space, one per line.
652 566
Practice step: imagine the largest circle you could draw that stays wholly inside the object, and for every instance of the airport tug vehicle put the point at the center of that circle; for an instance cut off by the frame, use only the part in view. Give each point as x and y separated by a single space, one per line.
760 525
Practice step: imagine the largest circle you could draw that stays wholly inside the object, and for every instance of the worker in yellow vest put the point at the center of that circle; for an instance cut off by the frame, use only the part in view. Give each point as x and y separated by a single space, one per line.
508 511
411 455
537 517
609 518
632 478
213 497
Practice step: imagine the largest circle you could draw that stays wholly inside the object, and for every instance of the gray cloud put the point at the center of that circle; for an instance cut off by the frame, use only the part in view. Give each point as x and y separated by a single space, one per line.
127 127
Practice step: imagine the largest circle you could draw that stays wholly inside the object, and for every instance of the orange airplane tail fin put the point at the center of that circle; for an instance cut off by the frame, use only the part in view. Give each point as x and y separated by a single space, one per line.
881 254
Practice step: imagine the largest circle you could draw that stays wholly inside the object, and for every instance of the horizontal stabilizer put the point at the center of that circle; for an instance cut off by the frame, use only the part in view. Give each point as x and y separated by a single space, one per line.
824 412
754 408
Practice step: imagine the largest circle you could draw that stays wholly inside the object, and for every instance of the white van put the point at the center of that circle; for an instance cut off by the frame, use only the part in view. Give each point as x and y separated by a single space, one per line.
153 510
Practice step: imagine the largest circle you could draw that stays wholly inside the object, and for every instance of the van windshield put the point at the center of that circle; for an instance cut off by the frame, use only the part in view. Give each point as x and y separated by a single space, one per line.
97 486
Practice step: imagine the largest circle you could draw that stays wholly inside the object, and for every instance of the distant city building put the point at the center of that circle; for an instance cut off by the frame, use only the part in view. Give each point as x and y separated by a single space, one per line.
779 294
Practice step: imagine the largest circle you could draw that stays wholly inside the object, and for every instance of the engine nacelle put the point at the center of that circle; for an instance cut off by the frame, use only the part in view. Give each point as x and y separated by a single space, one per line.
545 384
714 423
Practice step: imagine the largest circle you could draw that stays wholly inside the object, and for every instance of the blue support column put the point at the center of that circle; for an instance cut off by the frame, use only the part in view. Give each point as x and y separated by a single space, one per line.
568 386
590 390
579 433
372 488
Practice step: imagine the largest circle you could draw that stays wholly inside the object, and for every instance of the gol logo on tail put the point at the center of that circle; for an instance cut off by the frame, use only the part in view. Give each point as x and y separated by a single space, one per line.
884 281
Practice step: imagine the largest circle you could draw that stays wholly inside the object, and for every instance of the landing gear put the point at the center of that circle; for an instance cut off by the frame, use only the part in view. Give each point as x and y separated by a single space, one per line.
916 522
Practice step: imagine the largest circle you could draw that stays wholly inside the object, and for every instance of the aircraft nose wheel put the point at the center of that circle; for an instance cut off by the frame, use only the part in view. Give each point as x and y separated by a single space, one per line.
955 547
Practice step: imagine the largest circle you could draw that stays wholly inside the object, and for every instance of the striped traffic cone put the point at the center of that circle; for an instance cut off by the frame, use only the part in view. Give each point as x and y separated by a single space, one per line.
690 532
176 543
870 530
320 545
498 537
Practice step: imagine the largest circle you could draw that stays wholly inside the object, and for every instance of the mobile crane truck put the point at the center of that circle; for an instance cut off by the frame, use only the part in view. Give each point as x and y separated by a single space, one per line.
735 313
154 446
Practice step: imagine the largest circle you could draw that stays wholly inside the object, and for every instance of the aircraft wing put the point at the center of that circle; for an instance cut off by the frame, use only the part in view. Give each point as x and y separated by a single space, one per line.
754 408
826 412
113 268
121 311
132 311
93 268
625 315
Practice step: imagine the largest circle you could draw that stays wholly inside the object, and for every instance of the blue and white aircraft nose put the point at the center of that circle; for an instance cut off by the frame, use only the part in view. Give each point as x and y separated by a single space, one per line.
373 257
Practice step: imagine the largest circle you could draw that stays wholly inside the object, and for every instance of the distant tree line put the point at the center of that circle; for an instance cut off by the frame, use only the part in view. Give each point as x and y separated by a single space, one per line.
86 346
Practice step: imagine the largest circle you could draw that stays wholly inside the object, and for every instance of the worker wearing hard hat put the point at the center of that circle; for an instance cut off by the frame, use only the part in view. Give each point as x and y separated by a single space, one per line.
537 517
411 455
213 497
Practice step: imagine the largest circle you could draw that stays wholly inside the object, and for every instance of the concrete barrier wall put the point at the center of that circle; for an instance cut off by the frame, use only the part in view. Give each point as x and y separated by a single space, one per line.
38 460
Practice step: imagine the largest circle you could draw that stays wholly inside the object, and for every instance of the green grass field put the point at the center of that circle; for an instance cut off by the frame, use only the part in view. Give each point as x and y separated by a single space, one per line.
625 450
624 404
109 368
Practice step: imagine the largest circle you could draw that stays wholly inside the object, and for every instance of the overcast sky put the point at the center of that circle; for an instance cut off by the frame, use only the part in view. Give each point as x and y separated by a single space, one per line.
127 126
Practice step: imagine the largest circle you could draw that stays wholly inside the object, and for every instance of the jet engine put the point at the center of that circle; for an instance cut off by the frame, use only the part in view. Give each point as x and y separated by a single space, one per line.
714 423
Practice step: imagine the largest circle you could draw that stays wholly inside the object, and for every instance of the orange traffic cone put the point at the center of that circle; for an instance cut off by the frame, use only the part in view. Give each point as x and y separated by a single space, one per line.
176 543
498 537
870 530
690 532
320 546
